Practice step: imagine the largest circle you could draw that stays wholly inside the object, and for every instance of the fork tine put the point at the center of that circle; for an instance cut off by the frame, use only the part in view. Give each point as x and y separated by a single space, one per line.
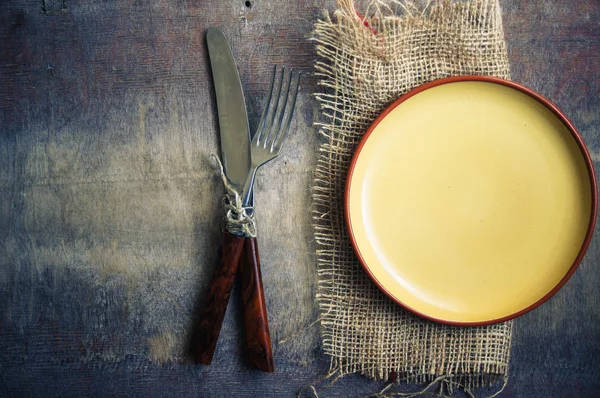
261 124
278 142
282 110
271 116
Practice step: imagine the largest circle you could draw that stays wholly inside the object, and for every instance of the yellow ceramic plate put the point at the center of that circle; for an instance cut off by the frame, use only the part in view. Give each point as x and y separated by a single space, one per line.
471 200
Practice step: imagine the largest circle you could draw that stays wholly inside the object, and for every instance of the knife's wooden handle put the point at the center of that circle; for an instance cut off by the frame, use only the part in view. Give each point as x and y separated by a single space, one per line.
211 318
258 341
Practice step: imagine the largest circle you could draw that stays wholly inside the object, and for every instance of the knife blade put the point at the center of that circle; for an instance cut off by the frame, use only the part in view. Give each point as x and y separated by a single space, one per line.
235 155
231 106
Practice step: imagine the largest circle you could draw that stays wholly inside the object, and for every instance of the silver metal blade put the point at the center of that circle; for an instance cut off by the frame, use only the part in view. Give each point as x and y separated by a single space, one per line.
233 121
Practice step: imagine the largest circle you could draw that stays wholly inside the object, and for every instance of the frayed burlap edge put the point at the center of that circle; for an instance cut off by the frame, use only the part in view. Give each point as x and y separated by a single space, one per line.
364 64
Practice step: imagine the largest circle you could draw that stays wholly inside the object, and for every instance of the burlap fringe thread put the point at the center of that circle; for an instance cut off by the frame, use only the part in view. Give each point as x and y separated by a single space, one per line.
364 64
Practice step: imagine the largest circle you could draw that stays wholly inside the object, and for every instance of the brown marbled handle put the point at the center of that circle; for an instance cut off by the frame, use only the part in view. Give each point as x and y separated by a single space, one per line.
211 318
258 341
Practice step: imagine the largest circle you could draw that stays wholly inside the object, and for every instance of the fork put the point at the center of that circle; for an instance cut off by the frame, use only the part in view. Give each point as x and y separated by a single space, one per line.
266 145
268 139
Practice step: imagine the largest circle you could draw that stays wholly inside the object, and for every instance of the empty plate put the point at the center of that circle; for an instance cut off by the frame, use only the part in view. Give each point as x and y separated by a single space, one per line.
471 200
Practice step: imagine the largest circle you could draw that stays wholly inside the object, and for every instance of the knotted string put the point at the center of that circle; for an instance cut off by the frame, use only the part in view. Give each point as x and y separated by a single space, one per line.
239 219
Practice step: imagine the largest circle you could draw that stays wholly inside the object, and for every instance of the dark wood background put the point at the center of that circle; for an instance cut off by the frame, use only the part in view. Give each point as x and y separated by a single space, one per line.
82 83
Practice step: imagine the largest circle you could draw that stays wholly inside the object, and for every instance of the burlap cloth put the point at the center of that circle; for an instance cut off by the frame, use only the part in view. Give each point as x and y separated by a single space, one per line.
361 69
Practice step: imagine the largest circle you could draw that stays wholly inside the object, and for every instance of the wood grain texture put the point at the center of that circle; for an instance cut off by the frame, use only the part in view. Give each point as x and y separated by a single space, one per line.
109 202
210 320
257 351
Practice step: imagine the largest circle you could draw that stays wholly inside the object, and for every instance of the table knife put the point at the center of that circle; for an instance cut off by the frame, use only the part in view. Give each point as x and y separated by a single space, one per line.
235 157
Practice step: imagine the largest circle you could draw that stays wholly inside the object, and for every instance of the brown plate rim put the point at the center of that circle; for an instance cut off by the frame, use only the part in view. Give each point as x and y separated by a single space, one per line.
554 109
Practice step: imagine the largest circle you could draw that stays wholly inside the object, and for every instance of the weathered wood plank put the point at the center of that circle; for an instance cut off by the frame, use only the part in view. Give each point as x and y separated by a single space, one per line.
109 202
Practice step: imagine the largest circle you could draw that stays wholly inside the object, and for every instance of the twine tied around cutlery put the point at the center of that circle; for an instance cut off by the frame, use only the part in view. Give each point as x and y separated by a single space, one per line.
239 219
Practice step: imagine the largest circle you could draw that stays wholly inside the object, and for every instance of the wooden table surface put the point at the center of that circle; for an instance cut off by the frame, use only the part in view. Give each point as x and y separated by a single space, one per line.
109 202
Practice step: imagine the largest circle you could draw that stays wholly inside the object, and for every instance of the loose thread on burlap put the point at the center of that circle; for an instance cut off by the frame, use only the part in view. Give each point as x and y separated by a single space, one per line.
331 377
239 219
299 332
382 393
446 383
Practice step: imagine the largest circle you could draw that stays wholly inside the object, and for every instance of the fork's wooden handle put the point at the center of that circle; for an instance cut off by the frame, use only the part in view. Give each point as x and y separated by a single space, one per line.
211 318
258 341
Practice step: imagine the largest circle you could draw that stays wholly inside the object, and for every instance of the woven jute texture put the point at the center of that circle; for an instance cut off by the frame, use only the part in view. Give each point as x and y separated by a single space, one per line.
362 69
